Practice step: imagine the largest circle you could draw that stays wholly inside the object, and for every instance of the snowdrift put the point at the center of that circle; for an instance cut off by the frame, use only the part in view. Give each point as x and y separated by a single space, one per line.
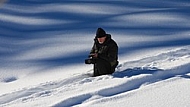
43 44
126 85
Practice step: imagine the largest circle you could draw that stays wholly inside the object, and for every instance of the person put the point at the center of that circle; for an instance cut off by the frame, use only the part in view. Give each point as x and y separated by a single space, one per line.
104 54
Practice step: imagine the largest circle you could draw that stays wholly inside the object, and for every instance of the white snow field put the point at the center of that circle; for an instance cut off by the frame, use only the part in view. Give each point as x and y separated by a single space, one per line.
43 44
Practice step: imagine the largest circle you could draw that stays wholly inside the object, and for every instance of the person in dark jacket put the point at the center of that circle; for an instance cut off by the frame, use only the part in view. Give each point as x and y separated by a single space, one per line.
104 53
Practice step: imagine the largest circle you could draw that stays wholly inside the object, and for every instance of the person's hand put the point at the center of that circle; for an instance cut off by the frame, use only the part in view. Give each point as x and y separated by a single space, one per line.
94 55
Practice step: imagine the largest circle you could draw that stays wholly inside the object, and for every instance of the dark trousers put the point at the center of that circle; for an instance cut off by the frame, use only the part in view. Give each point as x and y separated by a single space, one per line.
102 67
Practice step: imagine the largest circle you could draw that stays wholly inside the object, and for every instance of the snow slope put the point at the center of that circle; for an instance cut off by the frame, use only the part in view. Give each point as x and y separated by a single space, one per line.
43 44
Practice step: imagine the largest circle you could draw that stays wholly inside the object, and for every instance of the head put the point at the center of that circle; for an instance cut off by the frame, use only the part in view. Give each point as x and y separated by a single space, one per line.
101 35
101 40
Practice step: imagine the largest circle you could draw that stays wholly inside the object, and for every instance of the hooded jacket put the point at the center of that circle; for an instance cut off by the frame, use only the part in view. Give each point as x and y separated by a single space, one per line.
107 51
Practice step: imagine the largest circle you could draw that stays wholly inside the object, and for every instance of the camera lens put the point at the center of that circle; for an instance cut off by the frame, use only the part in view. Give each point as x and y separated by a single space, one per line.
88 61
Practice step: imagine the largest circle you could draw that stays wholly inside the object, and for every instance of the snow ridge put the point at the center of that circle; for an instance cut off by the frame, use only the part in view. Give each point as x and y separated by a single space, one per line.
43 44
126 79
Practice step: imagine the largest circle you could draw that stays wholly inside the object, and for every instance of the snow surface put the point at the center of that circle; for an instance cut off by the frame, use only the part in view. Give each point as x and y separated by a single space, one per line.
43 44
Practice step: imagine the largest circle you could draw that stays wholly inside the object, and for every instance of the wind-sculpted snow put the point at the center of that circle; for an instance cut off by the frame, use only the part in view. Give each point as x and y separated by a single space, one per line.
55 29
43 44
82 90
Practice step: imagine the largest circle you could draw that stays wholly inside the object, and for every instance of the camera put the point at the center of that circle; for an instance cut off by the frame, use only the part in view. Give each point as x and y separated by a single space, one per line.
89 61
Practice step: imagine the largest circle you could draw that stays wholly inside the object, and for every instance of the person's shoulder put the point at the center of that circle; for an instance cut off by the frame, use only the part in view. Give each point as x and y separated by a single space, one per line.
112 42
108 36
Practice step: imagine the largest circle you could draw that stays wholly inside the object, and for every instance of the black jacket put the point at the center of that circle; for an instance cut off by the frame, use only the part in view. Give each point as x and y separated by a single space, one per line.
107 51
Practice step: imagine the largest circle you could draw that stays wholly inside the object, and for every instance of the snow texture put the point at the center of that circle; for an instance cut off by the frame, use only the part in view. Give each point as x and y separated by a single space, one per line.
43 44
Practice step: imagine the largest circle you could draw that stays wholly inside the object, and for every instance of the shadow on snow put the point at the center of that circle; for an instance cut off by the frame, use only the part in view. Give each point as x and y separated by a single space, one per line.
152 75
13 34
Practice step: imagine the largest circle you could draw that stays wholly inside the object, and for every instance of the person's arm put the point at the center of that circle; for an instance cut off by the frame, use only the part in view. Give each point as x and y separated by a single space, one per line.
112 52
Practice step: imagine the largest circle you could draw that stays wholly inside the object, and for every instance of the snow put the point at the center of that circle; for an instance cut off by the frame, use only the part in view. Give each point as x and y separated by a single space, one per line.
43 45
